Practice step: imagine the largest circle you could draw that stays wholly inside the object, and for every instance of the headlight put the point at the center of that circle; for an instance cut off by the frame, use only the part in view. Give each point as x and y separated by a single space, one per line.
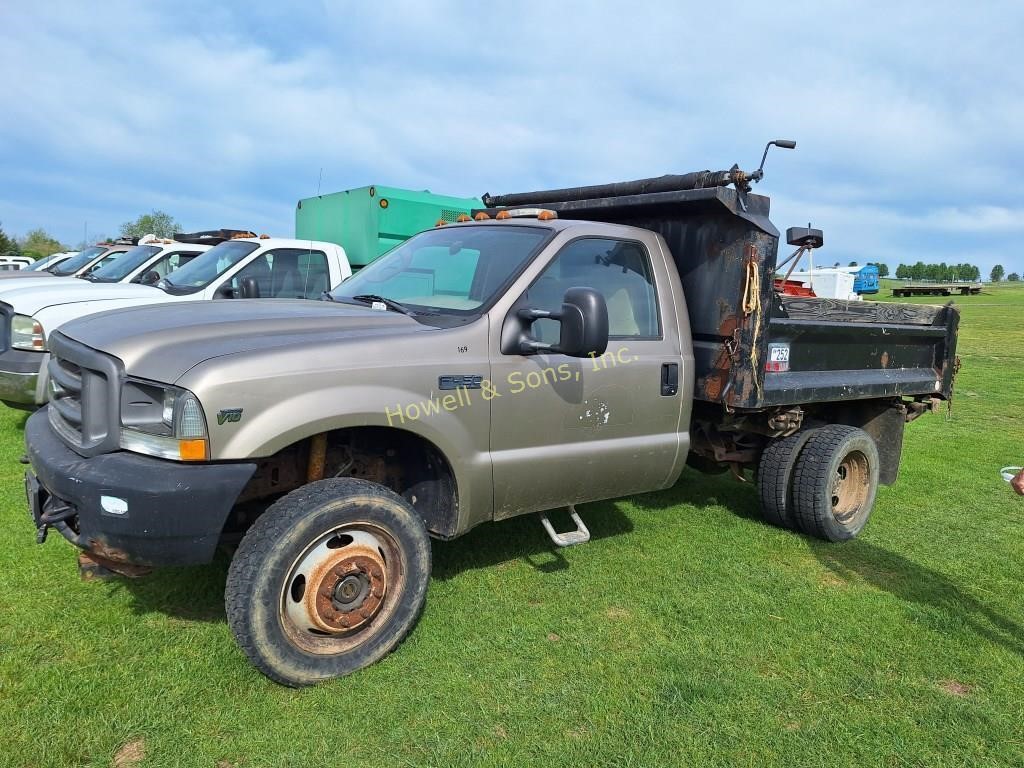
164 421
27 333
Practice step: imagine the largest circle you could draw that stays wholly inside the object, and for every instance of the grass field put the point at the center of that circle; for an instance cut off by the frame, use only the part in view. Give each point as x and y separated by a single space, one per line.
686 633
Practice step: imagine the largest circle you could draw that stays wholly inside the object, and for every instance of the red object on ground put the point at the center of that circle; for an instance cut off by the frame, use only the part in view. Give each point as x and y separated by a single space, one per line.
792 288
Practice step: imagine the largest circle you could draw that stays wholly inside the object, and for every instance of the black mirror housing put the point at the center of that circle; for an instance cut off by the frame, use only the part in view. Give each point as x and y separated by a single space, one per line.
583 330
250 288
152 277
584 318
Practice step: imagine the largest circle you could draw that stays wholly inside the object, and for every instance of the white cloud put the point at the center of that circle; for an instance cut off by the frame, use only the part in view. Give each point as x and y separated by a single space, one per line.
906 128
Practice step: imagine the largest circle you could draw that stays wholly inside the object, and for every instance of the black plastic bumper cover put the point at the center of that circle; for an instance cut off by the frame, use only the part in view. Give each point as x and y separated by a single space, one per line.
172 514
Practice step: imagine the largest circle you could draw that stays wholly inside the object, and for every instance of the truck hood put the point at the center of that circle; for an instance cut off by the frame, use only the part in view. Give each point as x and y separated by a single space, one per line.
24 274
162 342
30 299
32 279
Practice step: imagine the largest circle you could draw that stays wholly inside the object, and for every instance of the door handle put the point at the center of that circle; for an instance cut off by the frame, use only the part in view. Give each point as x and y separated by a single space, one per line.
669 379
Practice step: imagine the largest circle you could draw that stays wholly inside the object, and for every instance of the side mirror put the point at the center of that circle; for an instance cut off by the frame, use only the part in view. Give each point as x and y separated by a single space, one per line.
584 325
150 278
250 288
584 319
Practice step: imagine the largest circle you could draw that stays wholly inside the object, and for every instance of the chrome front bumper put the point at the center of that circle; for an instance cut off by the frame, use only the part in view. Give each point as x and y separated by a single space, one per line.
23 378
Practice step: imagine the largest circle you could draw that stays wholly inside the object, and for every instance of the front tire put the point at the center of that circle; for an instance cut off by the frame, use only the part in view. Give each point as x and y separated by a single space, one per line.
330 579
835 482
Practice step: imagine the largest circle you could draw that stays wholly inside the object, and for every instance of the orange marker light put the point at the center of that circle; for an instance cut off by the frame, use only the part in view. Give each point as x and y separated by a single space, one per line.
503 215
463 217
192 450
482 217
384 202
440 223
546 215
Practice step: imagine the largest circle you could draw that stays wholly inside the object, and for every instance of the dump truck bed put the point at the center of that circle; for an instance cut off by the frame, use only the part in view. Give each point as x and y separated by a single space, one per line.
725 249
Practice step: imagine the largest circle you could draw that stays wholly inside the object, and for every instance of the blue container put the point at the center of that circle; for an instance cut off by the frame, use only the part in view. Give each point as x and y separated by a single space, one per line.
866 280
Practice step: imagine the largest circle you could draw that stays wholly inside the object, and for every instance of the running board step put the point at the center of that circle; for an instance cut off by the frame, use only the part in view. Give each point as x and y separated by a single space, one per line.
580 536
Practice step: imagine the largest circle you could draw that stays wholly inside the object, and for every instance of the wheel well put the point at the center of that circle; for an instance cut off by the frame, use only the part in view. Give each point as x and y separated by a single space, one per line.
883 420
406 463
720 440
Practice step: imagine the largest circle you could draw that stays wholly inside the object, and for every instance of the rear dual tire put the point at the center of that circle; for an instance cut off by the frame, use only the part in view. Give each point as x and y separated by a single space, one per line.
822 482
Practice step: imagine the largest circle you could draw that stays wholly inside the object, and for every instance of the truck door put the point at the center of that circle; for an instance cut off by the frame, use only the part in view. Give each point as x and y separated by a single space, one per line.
567 430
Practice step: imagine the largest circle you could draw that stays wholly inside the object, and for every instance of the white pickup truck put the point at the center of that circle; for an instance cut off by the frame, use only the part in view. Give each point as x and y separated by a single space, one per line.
150 260
81 263
246 267
49 262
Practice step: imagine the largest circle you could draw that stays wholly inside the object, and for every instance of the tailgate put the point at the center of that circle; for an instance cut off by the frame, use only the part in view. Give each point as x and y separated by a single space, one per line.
822 350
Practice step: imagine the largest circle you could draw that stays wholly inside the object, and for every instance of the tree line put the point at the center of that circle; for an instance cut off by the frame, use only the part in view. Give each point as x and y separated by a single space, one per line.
938 272
38 243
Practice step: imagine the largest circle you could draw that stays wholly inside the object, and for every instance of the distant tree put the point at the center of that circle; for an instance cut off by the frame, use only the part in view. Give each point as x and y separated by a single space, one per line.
852 264
919 271
157 223
902 272
997 273
38 244
883 270
8 245
1013 277
837 264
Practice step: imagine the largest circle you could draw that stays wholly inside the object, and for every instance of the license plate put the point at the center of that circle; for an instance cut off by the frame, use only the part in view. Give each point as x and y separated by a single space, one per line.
778 358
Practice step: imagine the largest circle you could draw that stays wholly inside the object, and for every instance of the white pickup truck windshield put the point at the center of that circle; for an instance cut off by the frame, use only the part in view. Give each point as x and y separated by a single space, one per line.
207 267
75 263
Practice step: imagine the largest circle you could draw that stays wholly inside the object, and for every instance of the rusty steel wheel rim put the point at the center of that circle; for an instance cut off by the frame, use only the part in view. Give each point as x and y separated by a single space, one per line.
851 486
342 589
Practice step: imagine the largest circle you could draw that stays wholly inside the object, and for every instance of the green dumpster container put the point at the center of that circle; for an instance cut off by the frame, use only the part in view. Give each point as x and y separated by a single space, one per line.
368 221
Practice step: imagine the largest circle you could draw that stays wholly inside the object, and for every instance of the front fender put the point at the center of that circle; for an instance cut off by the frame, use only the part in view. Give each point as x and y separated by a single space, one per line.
460 432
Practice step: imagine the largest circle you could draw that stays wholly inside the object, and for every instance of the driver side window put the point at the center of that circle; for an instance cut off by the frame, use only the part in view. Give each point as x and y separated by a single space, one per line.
618 269
286 273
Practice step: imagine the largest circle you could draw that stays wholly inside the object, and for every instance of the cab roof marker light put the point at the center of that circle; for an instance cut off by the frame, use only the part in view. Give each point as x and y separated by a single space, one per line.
544 214
463 218
502 215
440 223
482 217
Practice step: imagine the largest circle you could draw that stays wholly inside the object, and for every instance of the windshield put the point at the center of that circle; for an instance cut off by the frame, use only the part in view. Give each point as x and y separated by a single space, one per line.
207 267
75 263
120 265
449 269
42 264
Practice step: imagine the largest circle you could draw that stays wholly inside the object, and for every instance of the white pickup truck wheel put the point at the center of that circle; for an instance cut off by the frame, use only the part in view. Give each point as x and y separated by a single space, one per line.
328 580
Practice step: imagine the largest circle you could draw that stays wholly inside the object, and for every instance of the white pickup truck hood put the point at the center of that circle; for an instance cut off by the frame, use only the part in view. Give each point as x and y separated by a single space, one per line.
6 286
59 310
28 300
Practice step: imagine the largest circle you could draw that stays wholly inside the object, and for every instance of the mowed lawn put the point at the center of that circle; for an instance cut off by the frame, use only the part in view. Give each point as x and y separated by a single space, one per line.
686 633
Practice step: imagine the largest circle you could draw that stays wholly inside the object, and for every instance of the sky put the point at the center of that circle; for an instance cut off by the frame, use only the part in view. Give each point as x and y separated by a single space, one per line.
908 116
